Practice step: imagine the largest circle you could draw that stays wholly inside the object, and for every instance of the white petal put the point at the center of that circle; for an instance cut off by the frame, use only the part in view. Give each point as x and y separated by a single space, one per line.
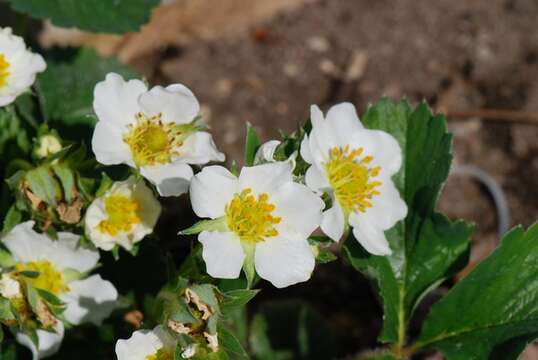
284 262
266 152
49 342
142 344
370 237
343 119
333 222
108 145
65 253
265 178
299 208
7 99
211 189
222 253
315 179
387 208
176 103
116 100
316 116
382 146
305 150
170 179
25 244
89 300
199 148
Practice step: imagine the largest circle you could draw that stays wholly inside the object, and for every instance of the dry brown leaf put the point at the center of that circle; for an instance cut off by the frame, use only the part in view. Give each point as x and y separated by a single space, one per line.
135 318
70 213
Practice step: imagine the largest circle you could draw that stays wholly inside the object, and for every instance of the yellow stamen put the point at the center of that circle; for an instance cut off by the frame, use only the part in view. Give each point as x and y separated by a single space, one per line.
122 214
4 70
161 354
151 141
352 178
251 219
49 278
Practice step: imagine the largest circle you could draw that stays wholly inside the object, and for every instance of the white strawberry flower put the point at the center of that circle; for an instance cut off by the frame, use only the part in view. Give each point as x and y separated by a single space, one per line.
261 214
63 267
355 166
18 66
155 344
156 131
123 216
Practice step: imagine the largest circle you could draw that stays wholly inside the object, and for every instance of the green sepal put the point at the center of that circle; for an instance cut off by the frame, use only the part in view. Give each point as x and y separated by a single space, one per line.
206 225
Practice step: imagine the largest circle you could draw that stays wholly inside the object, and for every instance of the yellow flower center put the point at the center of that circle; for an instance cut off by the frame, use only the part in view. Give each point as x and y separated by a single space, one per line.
352 178
48 279
250 218
122 214
161 354
4 70
152 142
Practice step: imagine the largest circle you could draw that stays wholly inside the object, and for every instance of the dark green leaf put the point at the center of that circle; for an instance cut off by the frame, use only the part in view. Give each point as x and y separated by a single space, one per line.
75 82
252 143
230 345
496 302
29 274
107 16
290 330
427 247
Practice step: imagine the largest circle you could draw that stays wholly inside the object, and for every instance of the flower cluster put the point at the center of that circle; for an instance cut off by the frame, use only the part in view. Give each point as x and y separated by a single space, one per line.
259 219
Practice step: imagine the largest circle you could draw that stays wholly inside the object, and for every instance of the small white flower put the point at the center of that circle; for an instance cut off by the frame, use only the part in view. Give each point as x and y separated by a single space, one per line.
266 153
123 216
355 165
18 66
90 299
47 145
154 131
262 211
147 344
9 287
49 342
189 352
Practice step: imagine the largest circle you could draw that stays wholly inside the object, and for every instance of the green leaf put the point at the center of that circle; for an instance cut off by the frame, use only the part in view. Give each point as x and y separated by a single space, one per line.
237 298
66 89
13 217
252 143
106 16
6 313
426 247
106 183
42 184
496 302
67 179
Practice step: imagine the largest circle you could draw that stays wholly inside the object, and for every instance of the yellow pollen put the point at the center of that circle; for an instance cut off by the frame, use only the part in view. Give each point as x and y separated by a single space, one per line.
122 214
352 178
151 141
48 279
250 218
4 70
161 354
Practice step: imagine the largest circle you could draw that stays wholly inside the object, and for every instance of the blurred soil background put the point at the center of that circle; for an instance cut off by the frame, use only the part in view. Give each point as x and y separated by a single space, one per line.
266 61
